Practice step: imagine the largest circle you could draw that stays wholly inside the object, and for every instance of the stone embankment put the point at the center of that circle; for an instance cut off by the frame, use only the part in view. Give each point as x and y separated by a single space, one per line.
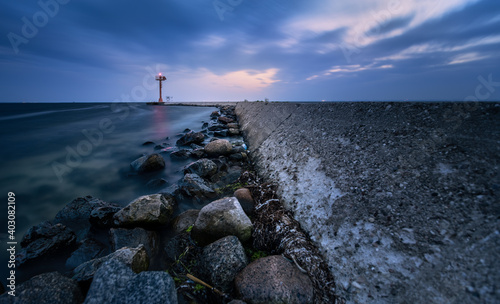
401 198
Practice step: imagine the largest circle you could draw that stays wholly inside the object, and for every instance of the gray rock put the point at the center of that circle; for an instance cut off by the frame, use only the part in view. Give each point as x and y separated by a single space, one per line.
134 237
192 185
191 138
222 260
148 163
220 133
181 154
236 302
79 209
246 200
215 114
233 126
274 279
218 147
47 288
110 283
45 239
88 250
184 220
136 258
203 167
222 218
198 153
233 132
146 211
102 217
116 283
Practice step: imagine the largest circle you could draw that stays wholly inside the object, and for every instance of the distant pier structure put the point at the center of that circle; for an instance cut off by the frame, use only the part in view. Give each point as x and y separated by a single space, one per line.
160 78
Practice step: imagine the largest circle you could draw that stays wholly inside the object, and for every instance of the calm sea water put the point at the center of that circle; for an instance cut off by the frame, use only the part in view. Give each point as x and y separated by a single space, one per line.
53 153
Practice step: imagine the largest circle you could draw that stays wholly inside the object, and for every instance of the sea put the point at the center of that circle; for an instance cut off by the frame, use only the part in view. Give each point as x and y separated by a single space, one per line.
52 153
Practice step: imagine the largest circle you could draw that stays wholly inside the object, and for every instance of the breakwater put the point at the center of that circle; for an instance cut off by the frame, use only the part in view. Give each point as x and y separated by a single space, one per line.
401 198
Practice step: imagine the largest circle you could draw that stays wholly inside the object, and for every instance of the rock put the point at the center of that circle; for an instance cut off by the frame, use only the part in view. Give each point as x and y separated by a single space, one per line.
152 287
233 126
44 240
146 211
192 185
50 287
238 149
217 127
274 279
236 302
102 217
181 154
222 260
236 157
218 147
148 163
134 237
198 153
136 258
148 143
89 249
221 133
222 218
157 183
203 167
246 200
184 220
110 283
233 132
79 209
225 120
191 138
215 114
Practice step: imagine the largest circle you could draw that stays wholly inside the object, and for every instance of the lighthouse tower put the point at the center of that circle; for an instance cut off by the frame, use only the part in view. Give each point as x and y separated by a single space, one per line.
160 78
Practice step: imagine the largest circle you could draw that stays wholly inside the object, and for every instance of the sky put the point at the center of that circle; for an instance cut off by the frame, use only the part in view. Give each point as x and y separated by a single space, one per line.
232 50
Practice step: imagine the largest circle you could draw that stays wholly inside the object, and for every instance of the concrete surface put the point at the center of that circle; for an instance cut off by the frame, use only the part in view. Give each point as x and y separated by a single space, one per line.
402 198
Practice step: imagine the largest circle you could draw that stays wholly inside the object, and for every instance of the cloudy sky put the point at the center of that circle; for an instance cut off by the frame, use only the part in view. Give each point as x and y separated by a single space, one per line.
334 50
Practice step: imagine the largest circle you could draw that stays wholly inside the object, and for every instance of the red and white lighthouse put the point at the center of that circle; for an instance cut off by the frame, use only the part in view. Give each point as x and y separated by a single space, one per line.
160 78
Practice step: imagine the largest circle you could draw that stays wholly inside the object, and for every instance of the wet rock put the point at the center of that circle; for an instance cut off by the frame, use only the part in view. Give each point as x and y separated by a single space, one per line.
236 157
215 114
217 127
225 120
218 147
79 209
89 249
222 218
274 279
203 167
50 287
221 133
146 211
136 258
191 138
102 217
134 237
110 283
45 239
246 200
233 126
238 149
148 163
157 183
184 220
148 143
233 132
222 260
192 185
198 153
152 287
181 154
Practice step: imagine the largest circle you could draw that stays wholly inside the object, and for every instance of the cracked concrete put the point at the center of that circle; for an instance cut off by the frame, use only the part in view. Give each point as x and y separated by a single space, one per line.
401 198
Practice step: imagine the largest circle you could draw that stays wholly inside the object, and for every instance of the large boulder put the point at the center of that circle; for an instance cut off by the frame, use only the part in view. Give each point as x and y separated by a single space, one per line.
203 167
116 283
218 147
191 138
222 260
134 237
192 185
146 211
274 279
148 163
45 239
53 288
222 218
89 249
136 258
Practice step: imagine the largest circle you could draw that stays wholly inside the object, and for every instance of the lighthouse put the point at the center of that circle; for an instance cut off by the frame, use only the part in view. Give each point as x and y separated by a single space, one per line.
160 78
